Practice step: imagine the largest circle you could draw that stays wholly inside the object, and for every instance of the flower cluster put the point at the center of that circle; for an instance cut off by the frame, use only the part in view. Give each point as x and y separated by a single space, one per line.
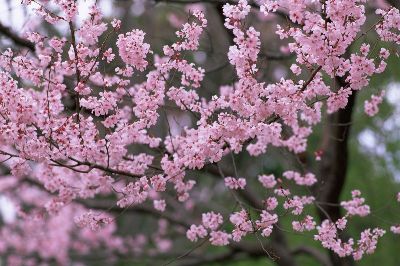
133 50
328 236
92 220
268 181
371 107
134 193
307 224
234 183
356 206
306 180
211 221
242 225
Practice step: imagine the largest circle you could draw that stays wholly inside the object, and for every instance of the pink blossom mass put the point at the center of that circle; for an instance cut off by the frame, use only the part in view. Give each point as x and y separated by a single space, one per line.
97 159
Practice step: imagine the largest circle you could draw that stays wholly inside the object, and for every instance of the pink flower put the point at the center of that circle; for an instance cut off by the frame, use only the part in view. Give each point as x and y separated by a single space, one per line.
356 206
134 193
368 242
133 50
159 205
92 220
266 222
295 69
69 7
108 55
269 6
282 192
341 223
211 220
82 89
271 203
219 238
92 128
158 182
196 232
268 181
386 29
242 225
384 53
92 27
395 229
307 224
371 107
20 167
297 204
57 44
235 13
306 180
116 23
234 183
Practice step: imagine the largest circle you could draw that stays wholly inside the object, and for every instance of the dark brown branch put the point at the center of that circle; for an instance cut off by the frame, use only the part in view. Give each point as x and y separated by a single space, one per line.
334 164
103 168
6 31
276 56
78 73
80 163
279 250
311 78
214 258
333 167
316 254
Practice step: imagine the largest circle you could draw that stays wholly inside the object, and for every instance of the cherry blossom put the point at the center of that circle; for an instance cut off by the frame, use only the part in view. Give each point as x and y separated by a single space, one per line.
76 132
212 220
268 181
371 107
356 206
305 225
133 50
219 238
234 183
196 232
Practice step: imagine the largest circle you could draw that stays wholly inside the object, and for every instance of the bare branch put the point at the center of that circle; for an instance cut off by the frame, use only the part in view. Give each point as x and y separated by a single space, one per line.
316 254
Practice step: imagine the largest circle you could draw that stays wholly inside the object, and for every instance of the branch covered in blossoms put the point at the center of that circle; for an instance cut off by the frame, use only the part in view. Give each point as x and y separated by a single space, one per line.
83 119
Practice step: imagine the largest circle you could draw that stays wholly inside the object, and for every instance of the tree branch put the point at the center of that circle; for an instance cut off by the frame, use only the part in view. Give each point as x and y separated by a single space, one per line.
205 260
316 254
334 164
6 31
